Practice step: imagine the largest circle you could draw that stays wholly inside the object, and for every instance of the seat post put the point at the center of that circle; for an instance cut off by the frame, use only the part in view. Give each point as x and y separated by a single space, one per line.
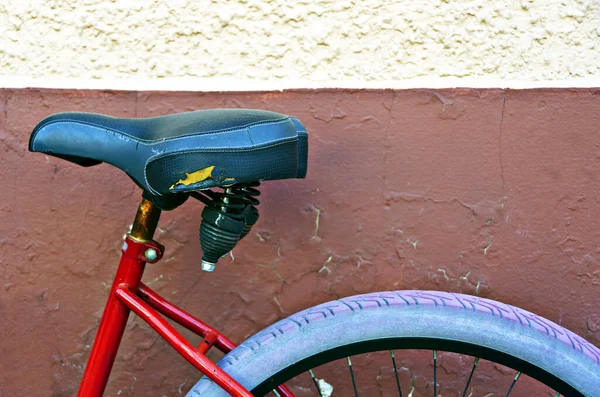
146 220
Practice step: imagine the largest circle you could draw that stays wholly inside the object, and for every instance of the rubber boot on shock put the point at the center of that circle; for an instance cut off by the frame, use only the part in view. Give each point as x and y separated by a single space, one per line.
250 218
219 233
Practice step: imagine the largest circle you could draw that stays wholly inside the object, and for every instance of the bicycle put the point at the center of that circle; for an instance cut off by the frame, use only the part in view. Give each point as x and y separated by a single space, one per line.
176 157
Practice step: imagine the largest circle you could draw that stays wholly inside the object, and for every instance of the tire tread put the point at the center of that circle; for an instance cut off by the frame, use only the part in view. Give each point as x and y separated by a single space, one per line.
376 301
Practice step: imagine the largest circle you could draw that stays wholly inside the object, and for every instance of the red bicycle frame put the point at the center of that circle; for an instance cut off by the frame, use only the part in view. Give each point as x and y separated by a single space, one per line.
128 293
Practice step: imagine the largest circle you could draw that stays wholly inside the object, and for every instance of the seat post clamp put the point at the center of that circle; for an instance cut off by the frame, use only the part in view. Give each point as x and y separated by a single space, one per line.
145 251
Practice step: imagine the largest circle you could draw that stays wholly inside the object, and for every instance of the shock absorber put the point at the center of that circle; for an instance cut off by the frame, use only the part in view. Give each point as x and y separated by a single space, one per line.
224 220
250 212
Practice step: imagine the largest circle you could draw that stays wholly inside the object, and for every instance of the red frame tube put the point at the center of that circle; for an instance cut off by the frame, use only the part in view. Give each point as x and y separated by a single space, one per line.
112 324
181 317
210 334
183 347
129 294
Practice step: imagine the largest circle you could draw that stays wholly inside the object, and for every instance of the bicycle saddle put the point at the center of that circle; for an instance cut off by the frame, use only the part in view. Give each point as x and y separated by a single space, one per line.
181 152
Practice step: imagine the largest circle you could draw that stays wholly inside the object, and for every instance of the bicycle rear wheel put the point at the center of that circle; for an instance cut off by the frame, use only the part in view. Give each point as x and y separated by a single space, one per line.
437 321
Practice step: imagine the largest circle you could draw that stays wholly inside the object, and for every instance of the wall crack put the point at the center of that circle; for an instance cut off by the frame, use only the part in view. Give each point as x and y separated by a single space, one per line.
500 151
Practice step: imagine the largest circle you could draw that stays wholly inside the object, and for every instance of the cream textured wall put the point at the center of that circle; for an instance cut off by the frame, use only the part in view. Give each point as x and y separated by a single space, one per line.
305 42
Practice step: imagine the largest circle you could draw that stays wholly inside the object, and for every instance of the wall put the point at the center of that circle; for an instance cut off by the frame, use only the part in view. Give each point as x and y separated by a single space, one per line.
275 44
487 192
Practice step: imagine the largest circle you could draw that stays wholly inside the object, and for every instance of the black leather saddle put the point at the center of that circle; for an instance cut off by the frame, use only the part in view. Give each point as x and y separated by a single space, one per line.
181 152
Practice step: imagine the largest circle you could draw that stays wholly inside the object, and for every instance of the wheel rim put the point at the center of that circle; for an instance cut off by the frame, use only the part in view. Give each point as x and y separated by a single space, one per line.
397 348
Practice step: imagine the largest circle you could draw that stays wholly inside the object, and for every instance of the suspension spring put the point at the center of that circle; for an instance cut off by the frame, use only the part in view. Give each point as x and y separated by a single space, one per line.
250 212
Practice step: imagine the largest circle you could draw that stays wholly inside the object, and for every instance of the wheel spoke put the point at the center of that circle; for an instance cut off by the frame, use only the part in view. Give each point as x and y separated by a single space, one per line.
435 373
517 376
470 376
396 373
312 375
352 376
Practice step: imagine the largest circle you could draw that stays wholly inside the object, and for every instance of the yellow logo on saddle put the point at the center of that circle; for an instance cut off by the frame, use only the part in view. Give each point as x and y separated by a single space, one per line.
195 177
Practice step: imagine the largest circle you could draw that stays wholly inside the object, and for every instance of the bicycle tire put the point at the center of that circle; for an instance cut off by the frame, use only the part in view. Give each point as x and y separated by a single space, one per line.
423 319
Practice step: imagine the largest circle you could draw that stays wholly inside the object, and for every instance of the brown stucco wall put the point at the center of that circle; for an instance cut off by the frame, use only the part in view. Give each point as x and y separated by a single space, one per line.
487 192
